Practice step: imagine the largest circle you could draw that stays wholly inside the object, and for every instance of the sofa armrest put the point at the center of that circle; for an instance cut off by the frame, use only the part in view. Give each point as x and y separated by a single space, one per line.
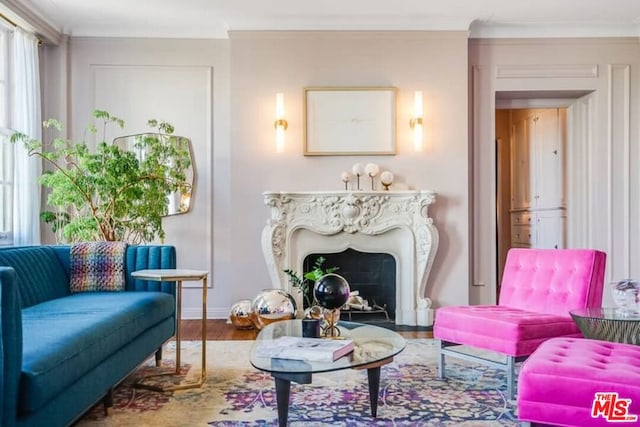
10 346
142 257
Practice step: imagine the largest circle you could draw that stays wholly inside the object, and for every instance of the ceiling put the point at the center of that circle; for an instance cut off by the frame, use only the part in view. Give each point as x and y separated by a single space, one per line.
214 18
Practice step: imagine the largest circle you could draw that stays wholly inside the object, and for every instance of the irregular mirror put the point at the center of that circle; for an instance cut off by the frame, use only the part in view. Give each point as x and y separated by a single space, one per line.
178 202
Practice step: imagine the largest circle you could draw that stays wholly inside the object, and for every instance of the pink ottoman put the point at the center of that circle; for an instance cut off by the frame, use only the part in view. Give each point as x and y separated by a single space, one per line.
560 381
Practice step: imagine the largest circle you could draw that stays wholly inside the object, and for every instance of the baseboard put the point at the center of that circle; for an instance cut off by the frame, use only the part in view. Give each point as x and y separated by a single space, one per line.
212 313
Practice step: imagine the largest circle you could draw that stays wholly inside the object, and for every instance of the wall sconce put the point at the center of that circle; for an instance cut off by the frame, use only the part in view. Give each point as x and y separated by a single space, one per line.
416 121
280 124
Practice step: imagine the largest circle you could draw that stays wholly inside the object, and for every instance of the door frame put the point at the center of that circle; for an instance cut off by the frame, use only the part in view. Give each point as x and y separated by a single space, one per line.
580 131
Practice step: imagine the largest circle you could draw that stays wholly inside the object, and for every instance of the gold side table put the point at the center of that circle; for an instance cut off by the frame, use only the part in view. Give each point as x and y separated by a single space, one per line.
178 276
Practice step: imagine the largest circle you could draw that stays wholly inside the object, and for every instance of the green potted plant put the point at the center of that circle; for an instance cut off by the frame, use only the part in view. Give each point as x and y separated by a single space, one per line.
302 283
109 193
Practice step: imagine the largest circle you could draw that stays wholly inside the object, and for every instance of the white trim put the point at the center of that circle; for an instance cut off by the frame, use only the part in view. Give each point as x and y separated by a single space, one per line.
556 30
627 167
195 313
618 108
509 104
27 17
546 71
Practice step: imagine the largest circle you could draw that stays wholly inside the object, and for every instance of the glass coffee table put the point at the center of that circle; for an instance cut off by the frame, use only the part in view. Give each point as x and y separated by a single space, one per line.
608 324
373 347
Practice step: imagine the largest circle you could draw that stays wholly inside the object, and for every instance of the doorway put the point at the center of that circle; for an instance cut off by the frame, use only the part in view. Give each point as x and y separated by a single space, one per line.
536 135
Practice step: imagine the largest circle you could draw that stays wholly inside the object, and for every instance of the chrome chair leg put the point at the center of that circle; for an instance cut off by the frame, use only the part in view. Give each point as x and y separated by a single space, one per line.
511 367
441 363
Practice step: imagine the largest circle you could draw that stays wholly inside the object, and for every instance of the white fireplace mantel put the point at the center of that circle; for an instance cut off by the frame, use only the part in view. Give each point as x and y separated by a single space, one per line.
394 222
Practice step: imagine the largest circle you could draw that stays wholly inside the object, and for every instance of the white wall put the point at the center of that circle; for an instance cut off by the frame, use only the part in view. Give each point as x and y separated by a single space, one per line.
603 156
263 63
185 82
237 162
237 159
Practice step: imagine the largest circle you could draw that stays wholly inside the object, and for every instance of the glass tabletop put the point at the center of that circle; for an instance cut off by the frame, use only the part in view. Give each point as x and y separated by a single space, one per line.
606 313
372 344
608 324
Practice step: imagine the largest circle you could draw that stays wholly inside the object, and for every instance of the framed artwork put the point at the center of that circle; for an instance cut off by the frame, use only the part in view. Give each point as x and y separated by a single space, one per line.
349 121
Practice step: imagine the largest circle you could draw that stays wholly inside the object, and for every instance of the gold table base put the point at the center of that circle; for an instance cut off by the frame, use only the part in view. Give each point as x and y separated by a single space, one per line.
141 384
170 275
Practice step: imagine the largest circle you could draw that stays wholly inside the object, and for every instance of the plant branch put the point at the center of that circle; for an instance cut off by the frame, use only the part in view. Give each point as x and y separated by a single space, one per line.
110 193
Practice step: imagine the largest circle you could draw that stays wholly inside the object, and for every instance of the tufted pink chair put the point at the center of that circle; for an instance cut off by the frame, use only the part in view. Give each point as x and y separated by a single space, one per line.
539 287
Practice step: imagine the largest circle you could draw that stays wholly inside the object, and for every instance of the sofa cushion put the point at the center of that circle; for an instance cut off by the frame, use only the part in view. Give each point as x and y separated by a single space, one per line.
501 329
138 257
67 337
97 266
39 274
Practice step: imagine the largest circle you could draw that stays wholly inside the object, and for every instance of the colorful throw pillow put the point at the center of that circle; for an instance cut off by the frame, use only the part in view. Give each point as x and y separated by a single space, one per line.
97 266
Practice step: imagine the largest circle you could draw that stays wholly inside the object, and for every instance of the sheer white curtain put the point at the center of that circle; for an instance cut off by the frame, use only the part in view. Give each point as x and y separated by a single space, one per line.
26 118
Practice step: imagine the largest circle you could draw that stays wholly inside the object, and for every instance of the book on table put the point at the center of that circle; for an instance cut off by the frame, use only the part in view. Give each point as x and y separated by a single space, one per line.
309 349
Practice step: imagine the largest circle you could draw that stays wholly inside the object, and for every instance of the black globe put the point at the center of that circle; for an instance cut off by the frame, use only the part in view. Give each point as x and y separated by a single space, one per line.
331 291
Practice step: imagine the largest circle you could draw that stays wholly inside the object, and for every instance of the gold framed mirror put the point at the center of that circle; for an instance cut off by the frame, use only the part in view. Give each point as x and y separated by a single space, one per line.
178 202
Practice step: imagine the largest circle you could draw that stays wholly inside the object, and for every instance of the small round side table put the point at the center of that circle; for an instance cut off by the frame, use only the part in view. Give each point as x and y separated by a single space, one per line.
608 324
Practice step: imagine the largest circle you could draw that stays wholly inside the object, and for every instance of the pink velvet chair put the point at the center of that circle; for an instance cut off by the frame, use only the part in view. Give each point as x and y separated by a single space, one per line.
539 287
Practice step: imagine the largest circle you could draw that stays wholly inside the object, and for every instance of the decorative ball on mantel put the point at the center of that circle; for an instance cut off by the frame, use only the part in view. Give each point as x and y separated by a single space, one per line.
386 179
240 315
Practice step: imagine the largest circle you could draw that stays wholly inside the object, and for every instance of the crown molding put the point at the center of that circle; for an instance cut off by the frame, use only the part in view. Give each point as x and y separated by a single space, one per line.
341 34
480 30
27 16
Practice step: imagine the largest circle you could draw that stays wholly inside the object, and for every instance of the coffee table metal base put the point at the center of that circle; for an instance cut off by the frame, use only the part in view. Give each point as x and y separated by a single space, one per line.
283 389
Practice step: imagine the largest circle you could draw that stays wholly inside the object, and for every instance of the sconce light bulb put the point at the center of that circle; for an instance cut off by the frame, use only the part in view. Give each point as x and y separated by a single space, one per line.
279 106
416 121
280 124
417 137
417 104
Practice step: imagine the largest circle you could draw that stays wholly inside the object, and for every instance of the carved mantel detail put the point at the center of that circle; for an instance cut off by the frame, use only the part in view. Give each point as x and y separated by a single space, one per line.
349 216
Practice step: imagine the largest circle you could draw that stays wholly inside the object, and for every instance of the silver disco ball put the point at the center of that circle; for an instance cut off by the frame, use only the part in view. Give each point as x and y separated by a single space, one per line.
272 305
240 315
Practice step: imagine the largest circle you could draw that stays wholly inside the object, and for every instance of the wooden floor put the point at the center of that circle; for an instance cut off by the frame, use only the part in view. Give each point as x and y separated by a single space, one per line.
219 329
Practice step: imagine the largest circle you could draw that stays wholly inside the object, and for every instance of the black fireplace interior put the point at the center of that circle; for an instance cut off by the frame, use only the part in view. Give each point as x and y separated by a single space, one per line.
372 274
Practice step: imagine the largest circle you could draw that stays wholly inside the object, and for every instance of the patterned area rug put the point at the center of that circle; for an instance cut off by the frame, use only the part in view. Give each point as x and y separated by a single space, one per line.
236 394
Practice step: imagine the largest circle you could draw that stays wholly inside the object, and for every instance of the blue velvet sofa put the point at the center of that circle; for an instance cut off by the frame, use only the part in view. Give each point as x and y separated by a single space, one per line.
60 353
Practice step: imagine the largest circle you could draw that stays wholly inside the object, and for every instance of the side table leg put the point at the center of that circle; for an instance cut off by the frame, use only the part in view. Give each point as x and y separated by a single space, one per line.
283 388
373 374
203 373
179 321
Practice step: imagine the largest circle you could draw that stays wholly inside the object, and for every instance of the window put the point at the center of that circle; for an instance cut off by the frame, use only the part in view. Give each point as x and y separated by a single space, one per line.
6 148
19 111
6 191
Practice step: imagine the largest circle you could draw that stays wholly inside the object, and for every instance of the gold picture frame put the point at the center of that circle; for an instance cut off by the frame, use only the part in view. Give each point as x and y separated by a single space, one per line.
349 121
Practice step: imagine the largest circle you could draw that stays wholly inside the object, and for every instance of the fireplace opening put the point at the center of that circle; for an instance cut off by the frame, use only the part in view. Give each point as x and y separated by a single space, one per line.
372 275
